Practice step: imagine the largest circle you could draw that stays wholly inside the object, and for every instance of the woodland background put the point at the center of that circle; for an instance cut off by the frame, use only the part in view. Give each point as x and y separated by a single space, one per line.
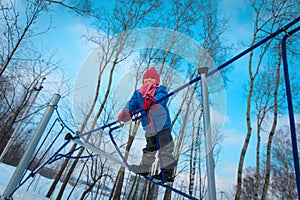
26 62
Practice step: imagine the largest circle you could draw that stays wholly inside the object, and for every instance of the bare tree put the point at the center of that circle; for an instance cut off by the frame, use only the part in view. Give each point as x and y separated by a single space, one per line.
23 62
127 16
23 82
15 32
124 18
282 183
12 35
249 182
282 176
264 23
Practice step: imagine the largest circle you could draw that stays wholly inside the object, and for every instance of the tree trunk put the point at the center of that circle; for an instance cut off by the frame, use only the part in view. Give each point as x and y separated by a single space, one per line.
120 179
272 132
249 130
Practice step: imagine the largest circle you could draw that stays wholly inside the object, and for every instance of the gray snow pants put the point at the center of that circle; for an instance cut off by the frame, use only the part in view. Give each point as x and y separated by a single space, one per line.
165 140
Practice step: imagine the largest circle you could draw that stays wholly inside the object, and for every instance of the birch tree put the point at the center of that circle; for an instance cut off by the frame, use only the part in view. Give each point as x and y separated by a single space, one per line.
122 19
126 17
283 183
268 18
23 63
282 176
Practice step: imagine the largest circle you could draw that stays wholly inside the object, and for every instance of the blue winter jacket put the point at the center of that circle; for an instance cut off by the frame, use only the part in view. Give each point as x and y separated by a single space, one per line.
158 115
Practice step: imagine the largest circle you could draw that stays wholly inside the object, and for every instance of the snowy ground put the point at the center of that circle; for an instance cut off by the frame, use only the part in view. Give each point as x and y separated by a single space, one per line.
6 172
34 189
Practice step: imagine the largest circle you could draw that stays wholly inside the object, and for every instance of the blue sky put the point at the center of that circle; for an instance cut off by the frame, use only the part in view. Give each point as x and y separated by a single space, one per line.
74 52
66 38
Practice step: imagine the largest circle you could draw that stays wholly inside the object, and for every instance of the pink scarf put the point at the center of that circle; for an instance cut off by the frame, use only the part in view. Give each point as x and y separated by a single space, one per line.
148 90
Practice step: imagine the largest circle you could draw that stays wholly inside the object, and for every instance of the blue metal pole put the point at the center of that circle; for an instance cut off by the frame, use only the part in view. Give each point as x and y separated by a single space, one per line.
290 108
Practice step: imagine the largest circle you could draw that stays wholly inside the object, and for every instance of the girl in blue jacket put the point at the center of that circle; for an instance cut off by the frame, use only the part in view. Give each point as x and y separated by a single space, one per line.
157 125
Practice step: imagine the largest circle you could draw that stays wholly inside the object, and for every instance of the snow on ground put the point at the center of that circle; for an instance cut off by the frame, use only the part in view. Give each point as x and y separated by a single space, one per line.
6 173
33 189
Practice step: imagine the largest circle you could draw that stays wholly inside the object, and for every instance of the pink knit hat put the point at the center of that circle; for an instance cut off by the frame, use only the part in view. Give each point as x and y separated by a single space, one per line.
152 73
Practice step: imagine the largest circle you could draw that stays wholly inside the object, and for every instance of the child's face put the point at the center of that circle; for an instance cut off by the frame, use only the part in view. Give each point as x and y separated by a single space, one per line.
149 80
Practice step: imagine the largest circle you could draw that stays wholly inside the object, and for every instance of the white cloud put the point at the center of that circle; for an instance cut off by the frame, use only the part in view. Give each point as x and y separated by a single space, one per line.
218 117
225 184
232 138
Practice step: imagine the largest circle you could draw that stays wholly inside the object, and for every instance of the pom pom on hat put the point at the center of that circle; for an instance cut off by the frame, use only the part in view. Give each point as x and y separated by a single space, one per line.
152 73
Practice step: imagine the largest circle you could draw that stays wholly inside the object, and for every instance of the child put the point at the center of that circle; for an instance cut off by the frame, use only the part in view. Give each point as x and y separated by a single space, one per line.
155 121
